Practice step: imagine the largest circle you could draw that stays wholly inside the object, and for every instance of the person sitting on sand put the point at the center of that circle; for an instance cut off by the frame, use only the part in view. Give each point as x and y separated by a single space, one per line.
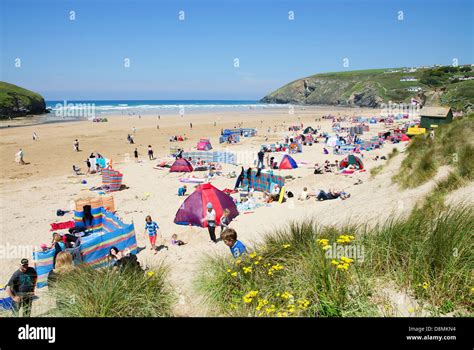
64 265
176 241
272 196
123 260
327 167
317 169
325 151
304 194
182 190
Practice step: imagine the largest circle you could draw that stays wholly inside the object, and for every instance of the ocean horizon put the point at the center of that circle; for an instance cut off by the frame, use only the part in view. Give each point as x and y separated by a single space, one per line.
154 106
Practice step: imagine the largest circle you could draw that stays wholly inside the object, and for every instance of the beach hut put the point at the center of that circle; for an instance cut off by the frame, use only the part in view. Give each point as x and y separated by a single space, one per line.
107 231
181 165
351 160
434 116
204 145
288 163
194 208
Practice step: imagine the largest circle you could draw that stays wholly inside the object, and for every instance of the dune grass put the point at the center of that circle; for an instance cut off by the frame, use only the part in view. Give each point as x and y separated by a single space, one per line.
88 292
287 276
430 253
293 274
452 145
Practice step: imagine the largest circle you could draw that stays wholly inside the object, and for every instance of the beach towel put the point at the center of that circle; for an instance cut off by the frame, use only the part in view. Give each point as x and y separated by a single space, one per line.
191 180
62 225
6 303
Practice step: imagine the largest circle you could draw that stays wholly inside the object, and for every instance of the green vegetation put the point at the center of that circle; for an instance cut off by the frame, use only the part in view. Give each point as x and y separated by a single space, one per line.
376 170
290 274
452 145
16 101
87 292
372 87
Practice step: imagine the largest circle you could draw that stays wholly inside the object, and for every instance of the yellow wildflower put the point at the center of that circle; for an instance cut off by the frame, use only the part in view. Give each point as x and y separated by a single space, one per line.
270 310
150 273
323 241
261 304
248 298
346 260
247 269
286 246
334 262
253 255
234 274
326 247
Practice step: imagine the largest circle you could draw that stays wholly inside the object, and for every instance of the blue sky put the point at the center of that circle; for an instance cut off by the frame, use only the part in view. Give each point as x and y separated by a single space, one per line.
194 58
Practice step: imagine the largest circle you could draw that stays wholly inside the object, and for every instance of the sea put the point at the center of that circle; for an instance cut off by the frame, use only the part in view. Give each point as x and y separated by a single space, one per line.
90 109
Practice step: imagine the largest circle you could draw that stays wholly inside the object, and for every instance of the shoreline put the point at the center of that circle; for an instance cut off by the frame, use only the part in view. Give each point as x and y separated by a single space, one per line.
171 112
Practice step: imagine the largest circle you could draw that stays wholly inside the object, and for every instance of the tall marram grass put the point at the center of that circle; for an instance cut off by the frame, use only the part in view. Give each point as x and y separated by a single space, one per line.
452 145
290 274
88 292
431 253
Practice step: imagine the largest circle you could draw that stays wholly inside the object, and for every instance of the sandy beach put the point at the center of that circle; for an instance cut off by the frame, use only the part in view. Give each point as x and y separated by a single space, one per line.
30 194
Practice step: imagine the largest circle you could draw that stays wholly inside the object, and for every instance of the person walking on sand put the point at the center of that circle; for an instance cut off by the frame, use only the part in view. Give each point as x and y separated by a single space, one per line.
35 137
191 125
150 152
19 157
151 228
76 145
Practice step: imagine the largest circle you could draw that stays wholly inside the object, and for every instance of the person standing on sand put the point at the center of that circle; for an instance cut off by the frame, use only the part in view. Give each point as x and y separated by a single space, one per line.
76 145
150 152
135 153
191 125
211 222
35 137
261 154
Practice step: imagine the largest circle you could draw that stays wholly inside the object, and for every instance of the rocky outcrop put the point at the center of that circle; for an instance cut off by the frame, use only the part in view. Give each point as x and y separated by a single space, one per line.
17 102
